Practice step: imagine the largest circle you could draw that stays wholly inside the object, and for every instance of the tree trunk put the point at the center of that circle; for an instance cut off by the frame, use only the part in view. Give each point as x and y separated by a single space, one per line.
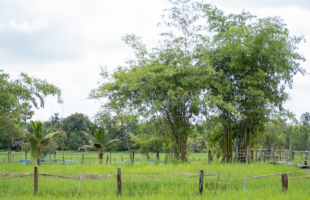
128 148
38 157
157 154
100 157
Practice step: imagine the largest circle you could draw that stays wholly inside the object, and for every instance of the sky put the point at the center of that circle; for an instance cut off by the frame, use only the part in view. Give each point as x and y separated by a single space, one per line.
66 42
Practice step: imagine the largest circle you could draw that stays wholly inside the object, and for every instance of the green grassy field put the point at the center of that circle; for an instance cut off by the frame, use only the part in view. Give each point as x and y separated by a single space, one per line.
147 180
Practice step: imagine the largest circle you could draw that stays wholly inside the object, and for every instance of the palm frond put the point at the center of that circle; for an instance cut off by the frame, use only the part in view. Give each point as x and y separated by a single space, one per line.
101 136
97 145
55 135
34 149
112 142
47 138
85 147
30 137
88 136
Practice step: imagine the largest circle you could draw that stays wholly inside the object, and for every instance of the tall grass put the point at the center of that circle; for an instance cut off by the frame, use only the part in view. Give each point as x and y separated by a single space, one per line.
147 180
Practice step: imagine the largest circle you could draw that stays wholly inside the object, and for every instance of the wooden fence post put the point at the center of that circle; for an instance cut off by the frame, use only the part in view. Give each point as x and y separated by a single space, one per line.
272 155
236 153
290 153
285 155
265 154
107 160
8 156
244 184
193 159
77 193
218 178
83 158
260 149
122 157
209 156
35 180
201 182
284 182
229 182
247 155
306 158
119 182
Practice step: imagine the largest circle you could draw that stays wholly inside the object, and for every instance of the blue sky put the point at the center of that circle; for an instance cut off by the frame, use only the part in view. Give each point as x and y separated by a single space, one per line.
65 42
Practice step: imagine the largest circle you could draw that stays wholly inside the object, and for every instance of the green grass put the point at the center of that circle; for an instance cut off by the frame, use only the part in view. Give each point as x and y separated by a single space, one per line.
145 180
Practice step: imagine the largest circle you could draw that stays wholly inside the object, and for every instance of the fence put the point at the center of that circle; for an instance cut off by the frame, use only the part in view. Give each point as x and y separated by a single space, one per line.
275 156
286 156
67 158
80 158
200 184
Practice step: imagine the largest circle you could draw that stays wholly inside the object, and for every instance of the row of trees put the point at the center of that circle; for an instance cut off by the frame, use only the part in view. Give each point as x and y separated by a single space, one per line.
230 69
146 140
214 77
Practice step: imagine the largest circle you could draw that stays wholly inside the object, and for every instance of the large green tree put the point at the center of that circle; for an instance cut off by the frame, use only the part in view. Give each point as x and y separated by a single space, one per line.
255 59
166 83
25 89
17 97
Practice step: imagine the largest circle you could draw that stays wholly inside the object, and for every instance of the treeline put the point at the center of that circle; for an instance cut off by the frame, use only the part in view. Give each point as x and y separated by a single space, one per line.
145 139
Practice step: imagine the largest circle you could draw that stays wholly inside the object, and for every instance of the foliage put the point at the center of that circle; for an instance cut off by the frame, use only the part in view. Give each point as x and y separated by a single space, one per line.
146 143
166 83
16 100
9 130
274 135
194 143
49 149
254 60
99 141
25 89
38 139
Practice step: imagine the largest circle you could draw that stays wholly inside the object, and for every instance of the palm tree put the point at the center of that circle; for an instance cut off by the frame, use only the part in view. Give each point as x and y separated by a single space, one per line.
37 140
98 142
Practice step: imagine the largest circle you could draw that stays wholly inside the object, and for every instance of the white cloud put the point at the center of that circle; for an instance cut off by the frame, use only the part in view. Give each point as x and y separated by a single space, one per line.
26 27
1 26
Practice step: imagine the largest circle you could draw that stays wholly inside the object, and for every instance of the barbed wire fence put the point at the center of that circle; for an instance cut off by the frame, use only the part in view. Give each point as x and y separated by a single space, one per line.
197 183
